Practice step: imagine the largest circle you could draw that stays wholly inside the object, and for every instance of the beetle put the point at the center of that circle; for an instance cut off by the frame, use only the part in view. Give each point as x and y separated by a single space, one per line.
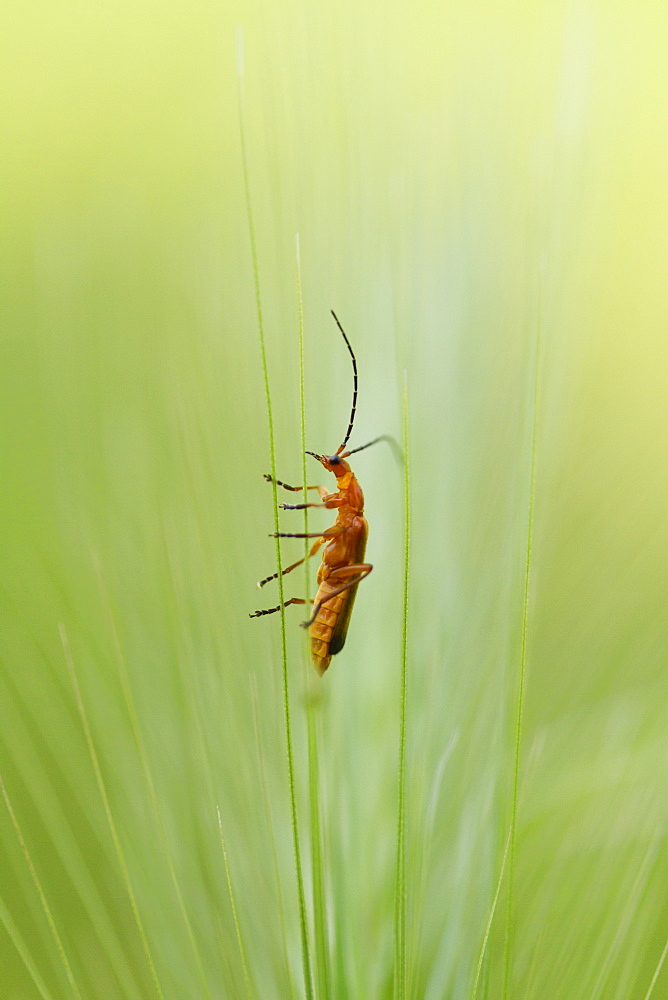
343 567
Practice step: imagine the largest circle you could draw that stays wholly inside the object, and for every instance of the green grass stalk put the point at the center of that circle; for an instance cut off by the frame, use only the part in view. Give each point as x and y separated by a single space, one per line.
120 853
15 937
306 958
147 772
483 947
632 900
321 936
262 767
522 678
250 993
400 878
40 892
657 971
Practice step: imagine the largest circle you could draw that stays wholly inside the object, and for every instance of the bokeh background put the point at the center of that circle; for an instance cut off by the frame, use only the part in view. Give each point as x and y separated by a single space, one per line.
473 185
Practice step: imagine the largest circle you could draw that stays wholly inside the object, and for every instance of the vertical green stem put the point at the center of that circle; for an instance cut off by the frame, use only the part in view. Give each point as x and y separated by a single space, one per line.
523 655
400 897
267 804
118 847
242 951
306 959
657 971
302 400
128 696
40 892
485 937
319 908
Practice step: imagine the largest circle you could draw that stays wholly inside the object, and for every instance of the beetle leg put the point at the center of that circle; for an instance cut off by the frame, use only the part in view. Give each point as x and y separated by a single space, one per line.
270 611
303 506
289 569
327 533
360 570
330 500
293 489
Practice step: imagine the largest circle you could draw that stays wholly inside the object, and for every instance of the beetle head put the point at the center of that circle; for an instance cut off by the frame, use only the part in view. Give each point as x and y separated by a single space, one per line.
333 463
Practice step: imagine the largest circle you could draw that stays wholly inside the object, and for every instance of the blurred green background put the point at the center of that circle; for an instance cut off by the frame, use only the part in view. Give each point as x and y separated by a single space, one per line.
461 177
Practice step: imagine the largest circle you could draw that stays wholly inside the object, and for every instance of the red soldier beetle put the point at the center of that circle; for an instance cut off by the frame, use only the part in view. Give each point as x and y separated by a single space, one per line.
342 568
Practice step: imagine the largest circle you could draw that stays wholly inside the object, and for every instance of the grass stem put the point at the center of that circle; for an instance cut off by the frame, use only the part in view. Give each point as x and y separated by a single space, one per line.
319 908
400 892
483 947
657 971
522 677
147 770
306 959
19 943
120 853
242 951
40 892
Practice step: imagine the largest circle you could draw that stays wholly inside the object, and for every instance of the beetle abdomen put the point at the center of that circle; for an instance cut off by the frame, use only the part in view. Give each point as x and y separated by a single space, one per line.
329 630
324 626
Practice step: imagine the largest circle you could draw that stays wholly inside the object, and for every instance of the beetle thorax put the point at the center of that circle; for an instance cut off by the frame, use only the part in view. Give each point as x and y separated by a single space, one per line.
352 491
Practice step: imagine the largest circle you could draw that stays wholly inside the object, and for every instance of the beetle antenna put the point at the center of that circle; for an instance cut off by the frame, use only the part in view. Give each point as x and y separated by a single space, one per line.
354 451
352 412
398 453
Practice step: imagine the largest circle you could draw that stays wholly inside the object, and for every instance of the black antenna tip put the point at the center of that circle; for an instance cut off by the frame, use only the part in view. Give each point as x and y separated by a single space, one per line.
352 356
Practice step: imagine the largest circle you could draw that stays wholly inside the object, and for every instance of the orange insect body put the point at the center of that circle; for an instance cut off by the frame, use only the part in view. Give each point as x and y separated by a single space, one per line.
343 557
342 567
